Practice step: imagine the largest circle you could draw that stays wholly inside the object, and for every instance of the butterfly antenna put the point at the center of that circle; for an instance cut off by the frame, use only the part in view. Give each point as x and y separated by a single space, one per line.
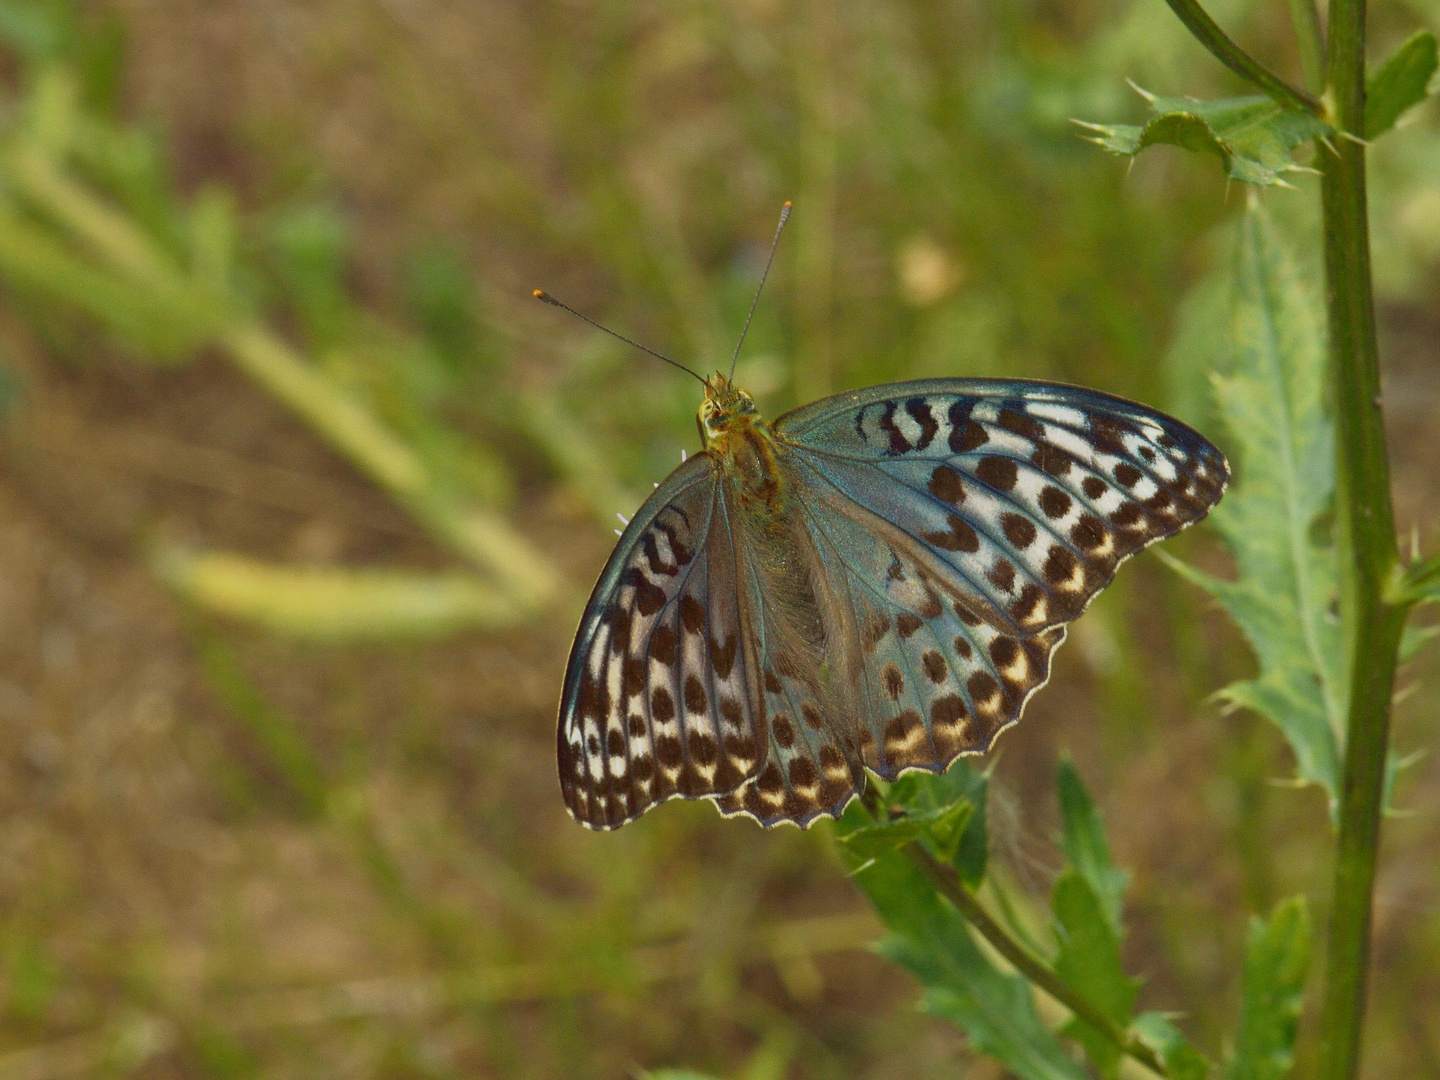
784 217
541 294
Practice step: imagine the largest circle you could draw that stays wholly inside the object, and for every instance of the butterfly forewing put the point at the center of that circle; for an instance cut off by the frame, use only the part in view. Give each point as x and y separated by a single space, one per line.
1031 494
656 700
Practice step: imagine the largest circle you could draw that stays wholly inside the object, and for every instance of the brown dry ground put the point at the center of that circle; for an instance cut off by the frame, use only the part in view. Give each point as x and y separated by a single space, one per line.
175 901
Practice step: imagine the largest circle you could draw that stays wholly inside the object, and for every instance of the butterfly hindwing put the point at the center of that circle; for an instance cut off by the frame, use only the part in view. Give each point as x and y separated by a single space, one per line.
656 703
1031 494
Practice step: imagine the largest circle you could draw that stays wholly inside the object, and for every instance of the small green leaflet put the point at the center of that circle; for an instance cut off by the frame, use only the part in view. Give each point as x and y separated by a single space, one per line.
1253 136
1089 961
1277 954
1400 82
1284 441
1086 847
943 827
1182 1061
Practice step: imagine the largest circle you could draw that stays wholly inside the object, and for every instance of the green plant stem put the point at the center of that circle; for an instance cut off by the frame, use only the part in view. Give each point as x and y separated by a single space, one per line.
948 883
1311 38
1365 534
1209 34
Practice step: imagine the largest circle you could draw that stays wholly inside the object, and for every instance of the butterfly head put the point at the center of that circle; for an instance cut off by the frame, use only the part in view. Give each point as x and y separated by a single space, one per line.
725 407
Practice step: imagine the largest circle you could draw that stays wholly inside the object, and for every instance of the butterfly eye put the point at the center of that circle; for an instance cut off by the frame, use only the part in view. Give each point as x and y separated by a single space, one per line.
747 403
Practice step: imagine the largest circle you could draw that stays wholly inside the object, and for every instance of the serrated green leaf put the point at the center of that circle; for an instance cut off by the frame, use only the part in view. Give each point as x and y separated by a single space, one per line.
1402 81
1277 954
1086 847
930 938
927 791
942 826
1089 961
1181 1060
1272 403
1252 136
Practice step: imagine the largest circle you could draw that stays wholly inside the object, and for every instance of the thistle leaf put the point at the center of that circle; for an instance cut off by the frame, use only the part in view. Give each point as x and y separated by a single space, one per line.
1284 441
1252 136
1277 954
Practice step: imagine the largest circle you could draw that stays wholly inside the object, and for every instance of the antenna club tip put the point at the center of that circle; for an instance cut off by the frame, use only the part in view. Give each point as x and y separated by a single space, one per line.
542 295
787 205
539 294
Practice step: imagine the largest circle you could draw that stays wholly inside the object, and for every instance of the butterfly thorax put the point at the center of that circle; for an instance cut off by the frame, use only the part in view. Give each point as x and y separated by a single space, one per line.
743 446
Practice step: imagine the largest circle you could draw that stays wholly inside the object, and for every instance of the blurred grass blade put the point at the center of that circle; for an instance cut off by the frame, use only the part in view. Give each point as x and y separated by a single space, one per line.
930 938
278 734
1089 961
1277 954
1272 403
1086 847
1253 136
1401 82
332 604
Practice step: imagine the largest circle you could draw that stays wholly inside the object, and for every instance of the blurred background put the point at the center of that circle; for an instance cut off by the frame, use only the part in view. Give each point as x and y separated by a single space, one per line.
301 494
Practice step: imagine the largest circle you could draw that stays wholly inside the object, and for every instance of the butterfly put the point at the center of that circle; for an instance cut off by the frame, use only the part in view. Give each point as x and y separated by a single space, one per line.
877 580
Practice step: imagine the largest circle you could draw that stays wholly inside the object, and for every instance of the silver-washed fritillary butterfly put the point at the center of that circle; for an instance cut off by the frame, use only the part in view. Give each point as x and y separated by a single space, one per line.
876 580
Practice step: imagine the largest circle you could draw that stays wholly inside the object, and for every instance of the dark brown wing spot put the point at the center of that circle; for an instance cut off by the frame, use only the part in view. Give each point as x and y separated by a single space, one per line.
649 598
702 748
1088 532
642 768
1021 424
1159 501
1029 600
945 484
961 536
898 730
772 683
930 606
898 443
722 657
803 773
965 434
593 745
668 751
695 700
1127 514
1126 474
934 665
1002 574
633 673
692 615
1018 530
1146 453
948 711
962 648
906 624
662 645
741 749
1051 459
1166 441
615 743
920 413
810 715
1107 434
620 621
999 472
637 725
1054 502
731 711
982 686
965 615
770 780
1093 487
662 705
894 682
1059 564
1003 651
783 730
